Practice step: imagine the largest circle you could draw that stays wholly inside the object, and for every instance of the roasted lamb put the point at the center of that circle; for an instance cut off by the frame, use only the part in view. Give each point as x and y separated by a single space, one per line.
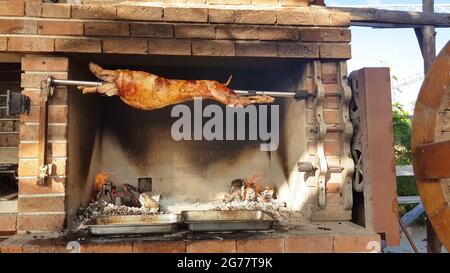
146 91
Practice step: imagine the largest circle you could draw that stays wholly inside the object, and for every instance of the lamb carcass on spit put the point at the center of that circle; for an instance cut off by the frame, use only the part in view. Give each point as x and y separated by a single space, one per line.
146 91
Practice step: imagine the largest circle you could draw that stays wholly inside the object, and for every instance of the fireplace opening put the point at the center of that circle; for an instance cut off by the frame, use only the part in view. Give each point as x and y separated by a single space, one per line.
136 148
9 137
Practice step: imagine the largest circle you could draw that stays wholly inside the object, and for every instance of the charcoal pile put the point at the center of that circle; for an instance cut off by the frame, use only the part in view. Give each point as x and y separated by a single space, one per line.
249 195
111 199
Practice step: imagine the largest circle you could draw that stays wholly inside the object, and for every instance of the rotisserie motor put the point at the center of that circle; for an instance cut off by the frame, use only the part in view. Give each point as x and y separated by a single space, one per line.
146 91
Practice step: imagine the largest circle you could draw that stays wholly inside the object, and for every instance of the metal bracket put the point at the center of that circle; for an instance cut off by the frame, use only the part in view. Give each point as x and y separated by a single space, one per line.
17 103
47 89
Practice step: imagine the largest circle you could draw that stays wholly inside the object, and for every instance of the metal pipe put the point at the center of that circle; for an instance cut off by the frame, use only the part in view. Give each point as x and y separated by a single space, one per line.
268 93
239 92
75 83
408 237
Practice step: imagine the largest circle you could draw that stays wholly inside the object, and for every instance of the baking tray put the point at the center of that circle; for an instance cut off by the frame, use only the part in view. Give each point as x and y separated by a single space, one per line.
227 220
134 224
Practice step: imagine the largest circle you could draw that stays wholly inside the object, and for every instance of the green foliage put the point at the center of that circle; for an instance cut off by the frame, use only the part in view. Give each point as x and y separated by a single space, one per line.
402 134
406 186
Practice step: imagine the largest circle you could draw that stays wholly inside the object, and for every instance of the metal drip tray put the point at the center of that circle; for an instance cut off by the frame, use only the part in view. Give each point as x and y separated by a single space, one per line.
229 220
134 224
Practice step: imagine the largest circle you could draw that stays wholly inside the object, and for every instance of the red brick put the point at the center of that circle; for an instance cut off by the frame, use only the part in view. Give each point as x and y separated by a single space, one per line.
331 147
331 116
56 10
229 2
221 16
298 50
340 18
60 28
39 63
273 245
41 222
33 8
40 204
255 17
3 43
186 14
240 32
32 44
301 17
151 30
107 247
159 247
94 11
34 79
59 96
30 167
301 3
265 2
54 185
106 29
356 243
321 17
12 245
8 222
16 26
195 31
309 244
12 8
278 33
60 247
78 45
333 187
213 48
54 149
55 115
196 1
169 47
30 132
125 46
325 35
143 13
335 51
256 49
211 246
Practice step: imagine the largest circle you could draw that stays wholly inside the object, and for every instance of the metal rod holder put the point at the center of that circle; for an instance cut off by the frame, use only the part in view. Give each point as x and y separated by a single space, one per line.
298 95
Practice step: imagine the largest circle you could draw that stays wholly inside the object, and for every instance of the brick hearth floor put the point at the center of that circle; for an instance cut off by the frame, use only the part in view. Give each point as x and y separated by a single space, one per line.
317 237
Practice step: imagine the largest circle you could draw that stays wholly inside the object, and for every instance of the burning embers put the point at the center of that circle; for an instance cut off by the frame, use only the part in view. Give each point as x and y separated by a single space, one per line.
111 199
248 194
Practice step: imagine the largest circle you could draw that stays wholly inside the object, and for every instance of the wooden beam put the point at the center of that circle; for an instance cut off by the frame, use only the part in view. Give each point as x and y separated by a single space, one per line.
433 160
427 42
393 17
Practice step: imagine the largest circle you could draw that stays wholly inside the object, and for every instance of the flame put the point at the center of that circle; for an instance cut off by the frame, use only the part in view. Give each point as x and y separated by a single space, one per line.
100 180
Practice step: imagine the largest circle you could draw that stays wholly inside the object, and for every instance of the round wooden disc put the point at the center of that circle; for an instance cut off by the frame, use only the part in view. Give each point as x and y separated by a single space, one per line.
431 125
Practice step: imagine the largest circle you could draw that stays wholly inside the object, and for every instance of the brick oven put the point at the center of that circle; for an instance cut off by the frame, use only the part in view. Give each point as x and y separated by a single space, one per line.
276 45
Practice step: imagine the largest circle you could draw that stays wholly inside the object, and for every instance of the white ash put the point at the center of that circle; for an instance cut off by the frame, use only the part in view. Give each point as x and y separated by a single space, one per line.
103 208
275 208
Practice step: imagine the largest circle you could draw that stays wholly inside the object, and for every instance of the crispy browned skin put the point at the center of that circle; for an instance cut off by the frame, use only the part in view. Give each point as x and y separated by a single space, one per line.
146 91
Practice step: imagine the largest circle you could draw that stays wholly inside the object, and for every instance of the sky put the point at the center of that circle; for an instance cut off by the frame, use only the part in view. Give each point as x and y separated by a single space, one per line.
397 49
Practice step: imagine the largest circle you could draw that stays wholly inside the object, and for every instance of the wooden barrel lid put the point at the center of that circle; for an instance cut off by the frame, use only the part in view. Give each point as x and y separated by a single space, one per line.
431 145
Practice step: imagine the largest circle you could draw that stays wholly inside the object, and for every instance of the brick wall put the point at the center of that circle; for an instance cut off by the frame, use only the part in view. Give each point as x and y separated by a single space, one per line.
42 208
293 32
214 2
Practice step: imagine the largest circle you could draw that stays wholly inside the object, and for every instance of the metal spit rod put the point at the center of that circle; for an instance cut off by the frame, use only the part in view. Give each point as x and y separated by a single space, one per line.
288 94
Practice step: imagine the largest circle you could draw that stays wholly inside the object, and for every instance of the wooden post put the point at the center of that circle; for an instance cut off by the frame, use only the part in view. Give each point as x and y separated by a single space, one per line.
426 36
